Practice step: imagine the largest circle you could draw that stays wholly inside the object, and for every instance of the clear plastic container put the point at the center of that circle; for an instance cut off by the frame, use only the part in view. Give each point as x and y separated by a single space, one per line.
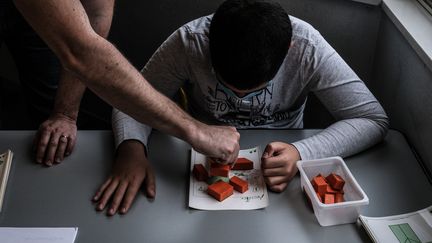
337 213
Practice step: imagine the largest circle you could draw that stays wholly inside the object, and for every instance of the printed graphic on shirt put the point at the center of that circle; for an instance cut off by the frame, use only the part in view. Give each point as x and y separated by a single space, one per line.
253 110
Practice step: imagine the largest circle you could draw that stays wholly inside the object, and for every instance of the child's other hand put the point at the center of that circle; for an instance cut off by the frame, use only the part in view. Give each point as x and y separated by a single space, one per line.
278 165
131 169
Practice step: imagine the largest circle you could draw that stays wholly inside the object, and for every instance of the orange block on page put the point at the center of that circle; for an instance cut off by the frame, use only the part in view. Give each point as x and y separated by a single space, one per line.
200 172
217 169
243 164
239 184
220 190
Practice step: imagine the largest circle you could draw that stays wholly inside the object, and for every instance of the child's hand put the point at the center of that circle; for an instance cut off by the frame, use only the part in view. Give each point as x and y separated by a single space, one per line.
130 170
278 164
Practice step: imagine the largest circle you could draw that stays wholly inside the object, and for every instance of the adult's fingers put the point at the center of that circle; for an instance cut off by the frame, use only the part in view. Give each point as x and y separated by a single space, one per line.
219 142
60 153
52 148
234 155
237 148
71 145
228 157
42 144
231 151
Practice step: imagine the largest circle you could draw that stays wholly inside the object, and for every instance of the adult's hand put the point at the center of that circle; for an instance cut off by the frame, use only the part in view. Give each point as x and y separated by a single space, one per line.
131 168
279 165
55 139
218 142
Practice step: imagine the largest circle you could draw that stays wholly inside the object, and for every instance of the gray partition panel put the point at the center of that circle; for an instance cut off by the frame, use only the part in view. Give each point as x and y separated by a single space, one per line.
403 85
60 196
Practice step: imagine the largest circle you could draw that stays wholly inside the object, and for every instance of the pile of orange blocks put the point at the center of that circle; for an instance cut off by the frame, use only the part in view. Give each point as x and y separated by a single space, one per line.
220 185
329 189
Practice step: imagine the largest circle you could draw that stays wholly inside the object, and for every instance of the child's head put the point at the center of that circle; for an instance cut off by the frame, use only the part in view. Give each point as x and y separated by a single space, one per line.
249 40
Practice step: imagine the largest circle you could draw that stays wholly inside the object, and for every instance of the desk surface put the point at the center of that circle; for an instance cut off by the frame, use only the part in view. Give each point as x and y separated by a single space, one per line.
60 196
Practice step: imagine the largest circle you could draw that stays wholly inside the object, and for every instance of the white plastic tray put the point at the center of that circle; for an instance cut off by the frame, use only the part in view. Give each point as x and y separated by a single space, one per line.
337 213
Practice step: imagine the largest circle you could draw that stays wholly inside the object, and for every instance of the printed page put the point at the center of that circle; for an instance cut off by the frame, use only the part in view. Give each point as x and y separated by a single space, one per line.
411 227
32 235
256 197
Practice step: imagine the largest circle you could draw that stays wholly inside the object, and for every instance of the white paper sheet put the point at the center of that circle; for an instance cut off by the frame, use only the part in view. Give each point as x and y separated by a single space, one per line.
256 197
37 235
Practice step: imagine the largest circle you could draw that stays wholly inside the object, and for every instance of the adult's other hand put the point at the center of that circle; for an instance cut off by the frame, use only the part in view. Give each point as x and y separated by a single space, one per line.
55 139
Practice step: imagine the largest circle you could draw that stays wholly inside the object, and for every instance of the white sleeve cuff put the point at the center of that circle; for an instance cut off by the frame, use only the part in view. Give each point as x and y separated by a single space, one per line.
127 128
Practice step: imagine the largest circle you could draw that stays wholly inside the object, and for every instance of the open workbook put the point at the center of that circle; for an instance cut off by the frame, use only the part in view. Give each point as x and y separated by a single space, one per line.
408 228
5 165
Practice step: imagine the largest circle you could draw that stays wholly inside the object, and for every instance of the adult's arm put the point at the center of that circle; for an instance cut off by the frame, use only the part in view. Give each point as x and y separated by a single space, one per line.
65 27
56 136
167 71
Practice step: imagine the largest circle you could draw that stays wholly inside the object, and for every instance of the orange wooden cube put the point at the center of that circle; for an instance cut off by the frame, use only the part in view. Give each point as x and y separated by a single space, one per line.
319 184
200 172
330 190
329 198
220 190
339 198
242 164
217 169
239 184
335 181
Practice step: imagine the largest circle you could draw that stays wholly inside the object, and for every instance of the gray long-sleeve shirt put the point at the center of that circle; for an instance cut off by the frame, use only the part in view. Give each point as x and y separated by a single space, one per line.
311 65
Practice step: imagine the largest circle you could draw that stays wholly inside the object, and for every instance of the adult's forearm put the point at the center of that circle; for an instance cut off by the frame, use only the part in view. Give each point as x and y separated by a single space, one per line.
115 80
68 96
65 27
71 89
